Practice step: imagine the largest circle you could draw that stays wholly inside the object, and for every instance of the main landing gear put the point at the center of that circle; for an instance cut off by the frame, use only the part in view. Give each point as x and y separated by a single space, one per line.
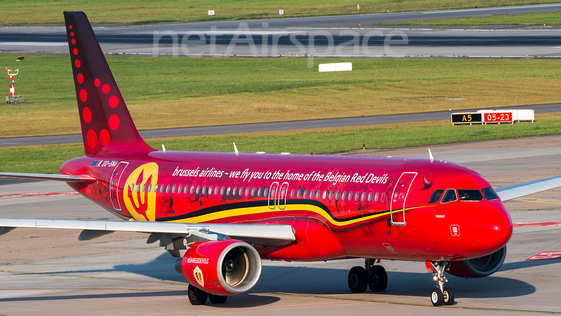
372 276
198 297
441 294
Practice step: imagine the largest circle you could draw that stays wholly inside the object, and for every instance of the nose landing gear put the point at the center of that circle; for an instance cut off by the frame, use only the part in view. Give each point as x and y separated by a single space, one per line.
372 276
441 294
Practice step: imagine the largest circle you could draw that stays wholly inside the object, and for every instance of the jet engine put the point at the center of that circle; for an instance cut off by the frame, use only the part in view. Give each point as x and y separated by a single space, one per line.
478 267
225 267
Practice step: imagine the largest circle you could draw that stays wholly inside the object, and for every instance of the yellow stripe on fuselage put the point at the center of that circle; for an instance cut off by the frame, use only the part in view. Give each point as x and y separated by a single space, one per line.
245 211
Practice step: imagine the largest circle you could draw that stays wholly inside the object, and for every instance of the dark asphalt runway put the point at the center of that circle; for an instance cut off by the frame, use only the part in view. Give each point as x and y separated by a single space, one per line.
267 127
297 35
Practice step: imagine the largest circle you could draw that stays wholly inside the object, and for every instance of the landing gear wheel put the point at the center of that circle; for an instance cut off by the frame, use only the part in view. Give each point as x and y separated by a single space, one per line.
378 279
217 299
196 296
358 280
448 296
436 297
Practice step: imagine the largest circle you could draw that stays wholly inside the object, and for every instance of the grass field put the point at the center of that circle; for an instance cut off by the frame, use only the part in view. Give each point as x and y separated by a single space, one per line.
158 11
47 159
170 92
550 18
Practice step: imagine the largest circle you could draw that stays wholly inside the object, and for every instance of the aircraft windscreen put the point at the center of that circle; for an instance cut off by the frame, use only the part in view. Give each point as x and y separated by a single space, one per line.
470 195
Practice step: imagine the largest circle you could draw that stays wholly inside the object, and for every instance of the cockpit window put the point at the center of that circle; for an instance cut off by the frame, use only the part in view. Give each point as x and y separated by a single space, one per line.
470 195
435 197
489 193
449 196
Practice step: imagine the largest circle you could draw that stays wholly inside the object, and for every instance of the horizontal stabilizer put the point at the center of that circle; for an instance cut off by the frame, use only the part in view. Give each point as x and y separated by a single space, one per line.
53 177
510 192
264 234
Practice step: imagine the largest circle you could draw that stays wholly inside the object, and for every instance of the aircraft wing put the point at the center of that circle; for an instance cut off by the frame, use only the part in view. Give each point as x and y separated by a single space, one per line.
258 233
52 177
513 191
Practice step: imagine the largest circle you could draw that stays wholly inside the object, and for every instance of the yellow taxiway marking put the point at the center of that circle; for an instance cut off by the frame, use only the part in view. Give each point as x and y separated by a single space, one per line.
547 201
412 304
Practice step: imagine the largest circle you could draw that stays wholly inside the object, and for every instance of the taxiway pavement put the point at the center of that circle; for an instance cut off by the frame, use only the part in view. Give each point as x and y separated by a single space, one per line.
50 272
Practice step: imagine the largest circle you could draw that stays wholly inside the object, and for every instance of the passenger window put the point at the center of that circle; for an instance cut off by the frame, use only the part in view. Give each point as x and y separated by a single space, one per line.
222 191
376 197
330 195
363 195
266 192
369 196
317 195
324 194
470 195
292 193
252 192
343 195
228 191
489 194
173 189
282 193
259 192
132 187
312 194
247 191
298 193
167 188
179 189
192 189
162 188
144 187
337 195
185 189
305 195
149 188
235 191
155 188
435 197
449 196
198 189
204 190
210 189
241 191
216 190
272 193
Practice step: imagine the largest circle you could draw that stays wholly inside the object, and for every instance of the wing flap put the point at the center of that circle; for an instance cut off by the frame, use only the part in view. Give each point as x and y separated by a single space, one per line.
264 234
52 177
510 192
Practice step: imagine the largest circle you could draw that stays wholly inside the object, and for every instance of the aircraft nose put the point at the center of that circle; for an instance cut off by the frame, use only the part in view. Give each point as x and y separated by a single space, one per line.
500 230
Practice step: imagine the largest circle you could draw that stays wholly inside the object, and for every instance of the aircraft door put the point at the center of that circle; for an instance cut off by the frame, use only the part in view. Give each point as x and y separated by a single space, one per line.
114 181
273 191
399 198
283 192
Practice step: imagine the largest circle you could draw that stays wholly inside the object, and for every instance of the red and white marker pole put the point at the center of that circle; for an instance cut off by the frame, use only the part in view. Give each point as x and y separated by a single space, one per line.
11 77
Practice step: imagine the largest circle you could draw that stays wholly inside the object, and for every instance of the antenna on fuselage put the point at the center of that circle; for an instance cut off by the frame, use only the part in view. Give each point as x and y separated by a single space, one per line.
236 149
163 148
430 156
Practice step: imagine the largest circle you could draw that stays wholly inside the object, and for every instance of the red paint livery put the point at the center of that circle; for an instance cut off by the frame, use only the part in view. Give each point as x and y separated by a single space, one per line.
335 207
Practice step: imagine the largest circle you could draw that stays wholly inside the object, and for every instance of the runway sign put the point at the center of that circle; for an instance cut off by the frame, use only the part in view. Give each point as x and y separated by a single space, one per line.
467 118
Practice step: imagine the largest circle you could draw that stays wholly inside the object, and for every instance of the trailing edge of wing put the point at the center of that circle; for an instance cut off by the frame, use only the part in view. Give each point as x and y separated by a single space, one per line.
53 177
510 192
267 234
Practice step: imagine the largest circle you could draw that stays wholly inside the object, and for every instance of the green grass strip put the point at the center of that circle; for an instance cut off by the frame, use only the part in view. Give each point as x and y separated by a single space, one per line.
165 11
47 159
549 18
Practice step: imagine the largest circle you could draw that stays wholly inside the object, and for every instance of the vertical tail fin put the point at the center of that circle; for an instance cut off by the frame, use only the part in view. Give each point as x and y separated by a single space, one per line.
107 127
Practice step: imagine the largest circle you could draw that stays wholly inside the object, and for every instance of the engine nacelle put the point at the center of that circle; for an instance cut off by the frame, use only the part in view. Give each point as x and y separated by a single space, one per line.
225 267
479 267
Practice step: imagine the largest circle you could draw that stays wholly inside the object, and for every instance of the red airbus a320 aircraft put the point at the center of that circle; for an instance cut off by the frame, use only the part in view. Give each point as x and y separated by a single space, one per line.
227 211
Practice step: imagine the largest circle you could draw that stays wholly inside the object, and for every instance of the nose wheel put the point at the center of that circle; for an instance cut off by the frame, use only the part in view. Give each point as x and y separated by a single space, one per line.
373 276
441 295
